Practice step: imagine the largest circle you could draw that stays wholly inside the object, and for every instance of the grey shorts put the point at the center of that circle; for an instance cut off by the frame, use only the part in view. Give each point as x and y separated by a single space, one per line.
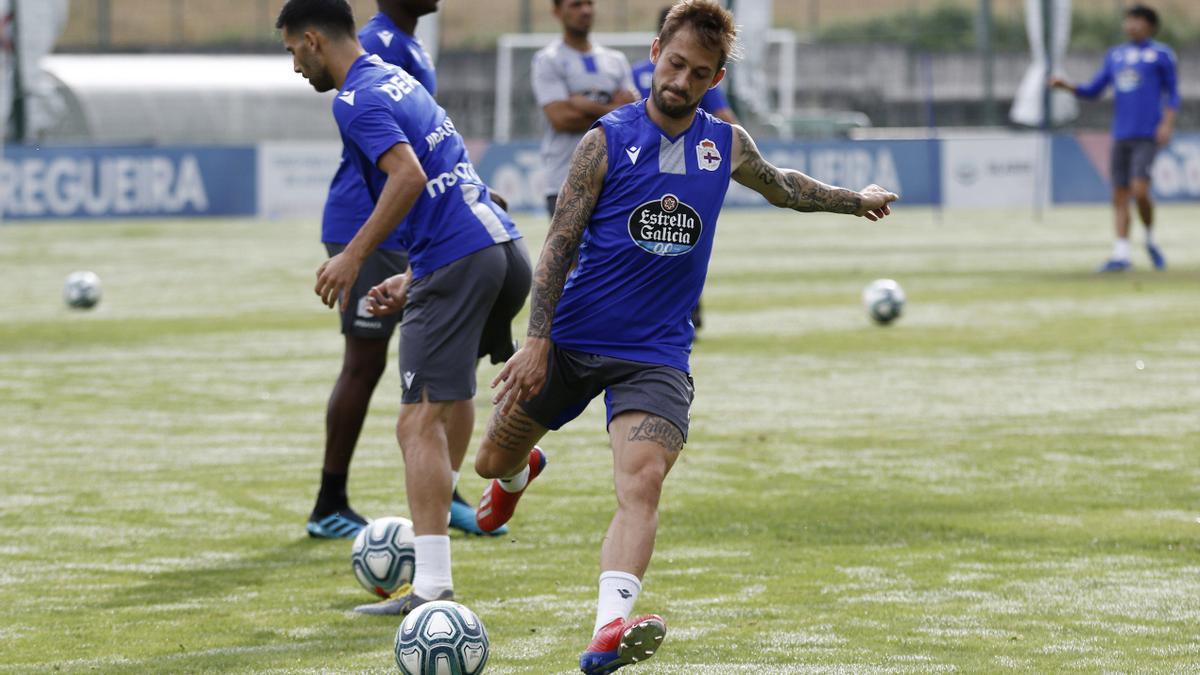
378 266
458 314
1132 158
574 378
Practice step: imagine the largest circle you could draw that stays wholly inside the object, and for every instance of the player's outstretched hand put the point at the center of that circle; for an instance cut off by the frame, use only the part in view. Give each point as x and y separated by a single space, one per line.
388 297
875 202
335 277
523 375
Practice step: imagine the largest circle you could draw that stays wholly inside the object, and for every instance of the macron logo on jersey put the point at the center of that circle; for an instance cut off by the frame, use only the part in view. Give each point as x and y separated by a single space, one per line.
386 36
633 153
347 97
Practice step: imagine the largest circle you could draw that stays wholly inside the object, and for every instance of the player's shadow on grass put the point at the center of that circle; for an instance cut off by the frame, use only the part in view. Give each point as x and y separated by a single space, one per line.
266 571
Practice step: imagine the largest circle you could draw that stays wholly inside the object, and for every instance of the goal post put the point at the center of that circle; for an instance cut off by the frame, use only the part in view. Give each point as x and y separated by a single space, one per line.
514 55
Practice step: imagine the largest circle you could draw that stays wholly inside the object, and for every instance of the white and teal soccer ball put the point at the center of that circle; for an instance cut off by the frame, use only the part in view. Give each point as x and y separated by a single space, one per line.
82 290
441 638
884 300
382 557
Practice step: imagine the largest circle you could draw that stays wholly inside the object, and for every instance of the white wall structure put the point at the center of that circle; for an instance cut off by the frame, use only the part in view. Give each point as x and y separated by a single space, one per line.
166 98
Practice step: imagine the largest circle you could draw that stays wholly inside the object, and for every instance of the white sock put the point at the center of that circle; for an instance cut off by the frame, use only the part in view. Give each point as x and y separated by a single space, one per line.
1149 237
1121 249
453 481
432 576
618 593
516 483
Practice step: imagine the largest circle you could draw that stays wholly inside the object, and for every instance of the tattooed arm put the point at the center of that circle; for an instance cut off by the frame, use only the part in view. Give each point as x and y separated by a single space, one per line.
787 188
525 373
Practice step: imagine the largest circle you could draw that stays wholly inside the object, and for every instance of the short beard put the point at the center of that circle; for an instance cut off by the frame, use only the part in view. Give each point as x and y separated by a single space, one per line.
322 85
673 111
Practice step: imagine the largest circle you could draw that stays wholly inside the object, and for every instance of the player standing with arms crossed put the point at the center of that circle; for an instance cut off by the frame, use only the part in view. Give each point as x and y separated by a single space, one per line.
639 208
576 82
468 274
1142 72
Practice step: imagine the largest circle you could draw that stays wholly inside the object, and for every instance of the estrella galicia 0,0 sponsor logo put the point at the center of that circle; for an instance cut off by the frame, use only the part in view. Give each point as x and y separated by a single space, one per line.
665 226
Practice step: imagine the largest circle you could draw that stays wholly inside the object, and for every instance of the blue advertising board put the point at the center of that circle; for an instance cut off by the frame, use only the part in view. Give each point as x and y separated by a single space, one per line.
124 182
1081 169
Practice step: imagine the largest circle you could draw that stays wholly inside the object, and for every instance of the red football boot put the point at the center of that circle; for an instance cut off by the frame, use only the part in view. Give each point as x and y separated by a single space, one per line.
496 506
623 642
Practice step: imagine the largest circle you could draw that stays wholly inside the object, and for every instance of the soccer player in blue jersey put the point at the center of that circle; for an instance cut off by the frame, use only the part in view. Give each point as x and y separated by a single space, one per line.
638 211
391 35
468 273
713 102
347 207
1142 73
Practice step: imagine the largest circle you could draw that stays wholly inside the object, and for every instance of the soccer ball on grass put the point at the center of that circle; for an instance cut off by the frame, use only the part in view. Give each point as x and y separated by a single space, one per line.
883 300
82 290
441 638
382 557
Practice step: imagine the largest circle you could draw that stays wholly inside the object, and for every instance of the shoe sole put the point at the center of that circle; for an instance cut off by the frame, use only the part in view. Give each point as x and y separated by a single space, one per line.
639 642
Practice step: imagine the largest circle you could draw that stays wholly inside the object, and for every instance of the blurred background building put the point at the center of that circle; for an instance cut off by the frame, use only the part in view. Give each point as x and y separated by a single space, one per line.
897 63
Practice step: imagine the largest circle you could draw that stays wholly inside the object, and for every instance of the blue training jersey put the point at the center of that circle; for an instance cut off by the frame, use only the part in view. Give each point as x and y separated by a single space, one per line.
643 75
1144 79
349 204
644 255
381 106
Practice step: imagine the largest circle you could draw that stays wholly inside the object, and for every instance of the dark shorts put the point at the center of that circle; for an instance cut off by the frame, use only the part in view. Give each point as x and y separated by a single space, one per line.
458 314
551 202
573 379
378 266
1132 158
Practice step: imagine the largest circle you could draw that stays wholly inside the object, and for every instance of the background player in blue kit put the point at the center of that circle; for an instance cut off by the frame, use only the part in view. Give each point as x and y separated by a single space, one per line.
713 102
468 273
391 35
638 211
1142 73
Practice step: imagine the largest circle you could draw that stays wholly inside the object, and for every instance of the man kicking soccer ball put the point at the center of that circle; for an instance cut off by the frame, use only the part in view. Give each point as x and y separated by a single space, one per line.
640 207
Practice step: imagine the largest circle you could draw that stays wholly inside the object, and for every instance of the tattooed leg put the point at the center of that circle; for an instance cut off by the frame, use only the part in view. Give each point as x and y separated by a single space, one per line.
505 448
645 448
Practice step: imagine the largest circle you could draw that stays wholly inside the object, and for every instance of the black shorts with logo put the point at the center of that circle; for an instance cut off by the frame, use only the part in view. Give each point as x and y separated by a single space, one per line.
574 378
378 266
1132 158
458 314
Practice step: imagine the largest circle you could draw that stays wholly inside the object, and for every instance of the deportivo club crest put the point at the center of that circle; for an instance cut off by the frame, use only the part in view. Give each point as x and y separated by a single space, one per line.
707 156
665 226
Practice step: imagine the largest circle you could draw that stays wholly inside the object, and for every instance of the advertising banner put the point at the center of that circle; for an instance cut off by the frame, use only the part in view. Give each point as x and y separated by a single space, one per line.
124 182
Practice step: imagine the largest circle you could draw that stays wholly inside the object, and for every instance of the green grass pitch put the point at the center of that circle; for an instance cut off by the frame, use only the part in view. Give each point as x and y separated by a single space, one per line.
991 484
